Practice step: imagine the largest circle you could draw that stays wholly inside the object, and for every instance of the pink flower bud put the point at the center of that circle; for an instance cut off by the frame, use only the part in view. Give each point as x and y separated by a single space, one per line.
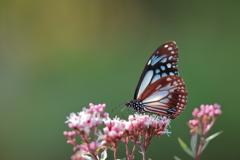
193 122
195 112
199 115
217 112
216 106
192 131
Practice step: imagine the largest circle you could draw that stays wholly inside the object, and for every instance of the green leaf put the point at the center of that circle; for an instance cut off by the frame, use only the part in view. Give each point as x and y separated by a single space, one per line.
210 138
176 158
214 135
185 147
193 144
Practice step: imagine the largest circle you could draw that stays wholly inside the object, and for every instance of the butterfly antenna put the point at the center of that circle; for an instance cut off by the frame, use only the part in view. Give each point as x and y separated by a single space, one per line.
118 106
122 113
120 110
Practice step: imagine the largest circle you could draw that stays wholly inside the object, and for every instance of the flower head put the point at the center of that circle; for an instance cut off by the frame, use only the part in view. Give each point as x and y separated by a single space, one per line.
87 119
204 118
113 131
207 110
149 125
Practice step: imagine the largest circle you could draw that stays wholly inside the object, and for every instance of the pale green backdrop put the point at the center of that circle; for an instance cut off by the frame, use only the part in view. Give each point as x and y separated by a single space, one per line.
57 56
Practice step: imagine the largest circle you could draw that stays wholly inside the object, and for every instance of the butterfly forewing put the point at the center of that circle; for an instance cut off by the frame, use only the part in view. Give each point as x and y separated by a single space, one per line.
163 62
166 96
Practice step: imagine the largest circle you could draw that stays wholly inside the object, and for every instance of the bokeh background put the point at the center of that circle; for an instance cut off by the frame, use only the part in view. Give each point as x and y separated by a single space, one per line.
58 56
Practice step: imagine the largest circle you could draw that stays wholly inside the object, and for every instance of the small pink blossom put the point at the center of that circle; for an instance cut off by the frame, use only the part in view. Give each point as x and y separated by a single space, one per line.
217 112
69 134
193 122
113 131
87 119
195 112
147 126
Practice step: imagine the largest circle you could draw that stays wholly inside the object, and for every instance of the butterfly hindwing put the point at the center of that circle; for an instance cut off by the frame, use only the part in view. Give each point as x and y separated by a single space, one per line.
163 62
166 96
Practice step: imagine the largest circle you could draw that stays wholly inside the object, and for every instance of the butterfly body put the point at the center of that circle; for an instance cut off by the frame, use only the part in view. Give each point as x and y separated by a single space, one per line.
160 90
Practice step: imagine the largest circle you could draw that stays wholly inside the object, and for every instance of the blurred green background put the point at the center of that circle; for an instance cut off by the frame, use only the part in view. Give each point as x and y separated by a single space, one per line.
58 56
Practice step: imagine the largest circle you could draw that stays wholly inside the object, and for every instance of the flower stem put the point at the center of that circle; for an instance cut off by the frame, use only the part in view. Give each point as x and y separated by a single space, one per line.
142 147
202 142
133 150
115 151
126 146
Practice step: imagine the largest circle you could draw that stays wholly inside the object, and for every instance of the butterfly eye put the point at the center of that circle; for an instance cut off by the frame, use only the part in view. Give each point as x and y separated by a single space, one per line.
160 90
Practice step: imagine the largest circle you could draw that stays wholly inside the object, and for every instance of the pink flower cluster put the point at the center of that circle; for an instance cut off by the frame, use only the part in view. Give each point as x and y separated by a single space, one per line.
207 111
84 123
139 128
87 119
146 125
137 125
114 131
204 118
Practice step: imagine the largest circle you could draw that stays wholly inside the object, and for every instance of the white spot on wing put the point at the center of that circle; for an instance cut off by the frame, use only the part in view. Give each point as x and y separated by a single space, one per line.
156 96
155 78
145 81
169 65
166 46
156 59
169 48
159 86
172 52
165 100
162 68
159 108
149 61
164 74
166 87
175 83
157 70
163 60
153 104
169 79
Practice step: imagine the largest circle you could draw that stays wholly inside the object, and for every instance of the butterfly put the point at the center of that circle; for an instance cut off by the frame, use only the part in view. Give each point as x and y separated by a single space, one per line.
160 90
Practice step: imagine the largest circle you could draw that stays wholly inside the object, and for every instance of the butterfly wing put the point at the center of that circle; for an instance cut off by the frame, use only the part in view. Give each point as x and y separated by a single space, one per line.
166 96
163 62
